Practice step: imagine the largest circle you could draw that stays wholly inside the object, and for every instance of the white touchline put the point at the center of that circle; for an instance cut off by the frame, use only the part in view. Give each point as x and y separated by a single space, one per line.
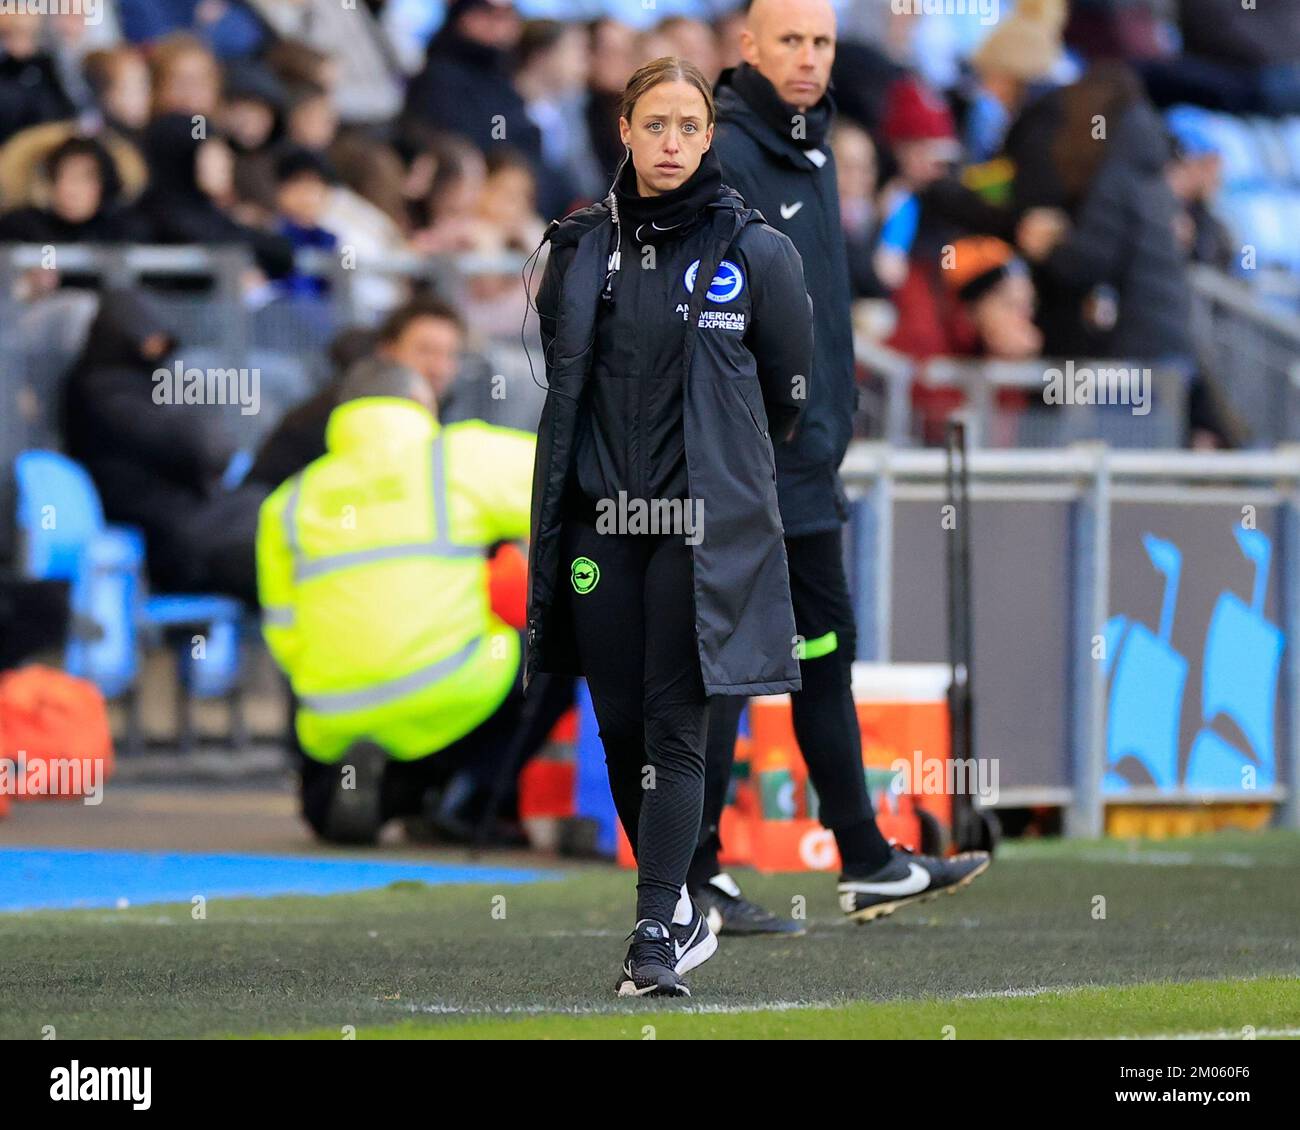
614 1010
1221 1034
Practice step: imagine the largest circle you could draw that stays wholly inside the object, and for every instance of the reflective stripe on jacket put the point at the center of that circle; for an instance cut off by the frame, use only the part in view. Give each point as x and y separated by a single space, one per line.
372 572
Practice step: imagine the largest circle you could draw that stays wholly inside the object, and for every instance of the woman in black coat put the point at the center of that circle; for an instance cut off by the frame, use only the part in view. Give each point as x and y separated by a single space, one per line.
677 331
1119 285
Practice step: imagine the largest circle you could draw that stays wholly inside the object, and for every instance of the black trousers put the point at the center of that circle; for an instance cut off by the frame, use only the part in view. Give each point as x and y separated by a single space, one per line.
503 743
825 719
633 613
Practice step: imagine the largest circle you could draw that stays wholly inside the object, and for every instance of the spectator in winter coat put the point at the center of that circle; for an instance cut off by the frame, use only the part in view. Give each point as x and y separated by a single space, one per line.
154 464
303 184
1123 254
467 88
191 191
30 90
84 201
465 85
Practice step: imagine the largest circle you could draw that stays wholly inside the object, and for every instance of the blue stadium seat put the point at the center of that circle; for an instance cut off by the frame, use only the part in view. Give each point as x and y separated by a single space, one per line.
1264 218
1245 161
64 537
1261 177
1288 132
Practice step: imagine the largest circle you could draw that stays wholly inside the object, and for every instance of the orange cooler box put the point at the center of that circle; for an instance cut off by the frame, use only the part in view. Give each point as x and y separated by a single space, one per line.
903 717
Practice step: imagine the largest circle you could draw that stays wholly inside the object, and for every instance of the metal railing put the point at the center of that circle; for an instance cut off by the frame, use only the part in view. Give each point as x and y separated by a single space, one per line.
1249 348
225 268
1006 404
1253 351
1090 481
201 294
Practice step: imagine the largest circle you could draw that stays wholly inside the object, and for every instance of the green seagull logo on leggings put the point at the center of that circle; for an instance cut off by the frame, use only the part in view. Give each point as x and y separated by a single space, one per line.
584 573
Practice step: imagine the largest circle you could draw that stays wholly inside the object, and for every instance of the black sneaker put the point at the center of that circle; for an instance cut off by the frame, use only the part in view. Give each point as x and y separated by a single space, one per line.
355 815
907 878
693 943
729 912
648 970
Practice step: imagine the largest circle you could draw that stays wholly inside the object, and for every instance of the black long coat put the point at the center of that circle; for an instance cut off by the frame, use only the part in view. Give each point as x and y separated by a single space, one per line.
773 174
734 382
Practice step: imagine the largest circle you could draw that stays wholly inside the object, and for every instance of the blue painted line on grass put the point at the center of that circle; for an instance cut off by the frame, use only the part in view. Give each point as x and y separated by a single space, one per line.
69 878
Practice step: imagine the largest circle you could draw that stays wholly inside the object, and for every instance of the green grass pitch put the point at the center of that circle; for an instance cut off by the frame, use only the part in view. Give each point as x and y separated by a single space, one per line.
1198 936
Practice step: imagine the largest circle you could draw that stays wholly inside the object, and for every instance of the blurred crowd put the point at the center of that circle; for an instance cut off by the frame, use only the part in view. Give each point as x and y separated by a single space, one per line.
1012 187
1008 186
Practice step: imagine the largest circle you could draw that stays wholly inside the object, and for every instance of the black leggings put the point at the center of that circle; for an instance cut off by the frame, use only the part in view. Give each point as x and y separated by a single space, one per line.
635 631
824 716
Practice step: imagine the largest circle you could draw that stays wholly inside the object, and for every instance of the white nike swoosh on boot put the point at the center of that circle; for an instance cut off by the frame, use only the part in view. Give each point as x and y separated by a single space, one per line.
917 880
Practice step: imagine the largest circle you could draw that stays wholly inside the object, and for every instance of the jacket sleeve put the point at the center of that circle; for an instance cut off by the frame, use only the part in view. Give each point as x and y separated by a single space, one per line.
781 332
275 584
548 295
1096 247
502 480
948 199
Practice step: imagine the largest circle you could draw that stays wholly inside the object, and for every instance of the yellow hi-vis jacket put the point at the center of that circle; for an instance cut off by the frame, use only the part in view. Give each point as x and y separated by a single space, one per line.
372 574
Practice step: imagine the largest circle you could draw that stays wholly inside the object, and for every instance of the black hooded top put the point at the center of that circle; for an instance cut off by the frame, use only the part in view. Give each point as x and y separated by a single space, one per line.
151 462
179 211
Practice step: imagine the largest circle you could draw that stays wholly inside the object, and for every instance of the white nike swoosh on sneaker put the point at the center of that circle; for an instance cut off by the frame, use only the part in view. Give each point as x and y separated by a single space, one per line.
788 210
680 948
917 880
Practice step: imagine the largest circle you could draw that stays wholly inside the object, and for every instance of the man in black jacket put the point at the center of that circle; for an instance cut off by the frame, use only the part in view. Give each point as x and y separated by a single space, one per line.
773 116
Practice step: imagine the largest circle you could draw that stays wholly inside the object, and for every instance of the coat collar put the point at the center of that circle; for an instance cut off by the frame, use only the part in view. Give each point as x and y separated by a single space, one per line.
570 230
734 110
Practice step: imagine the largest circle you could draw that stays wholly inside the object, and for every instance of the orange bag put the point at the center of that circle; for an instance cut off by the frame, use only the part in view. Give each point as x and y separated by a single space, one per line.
54 735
